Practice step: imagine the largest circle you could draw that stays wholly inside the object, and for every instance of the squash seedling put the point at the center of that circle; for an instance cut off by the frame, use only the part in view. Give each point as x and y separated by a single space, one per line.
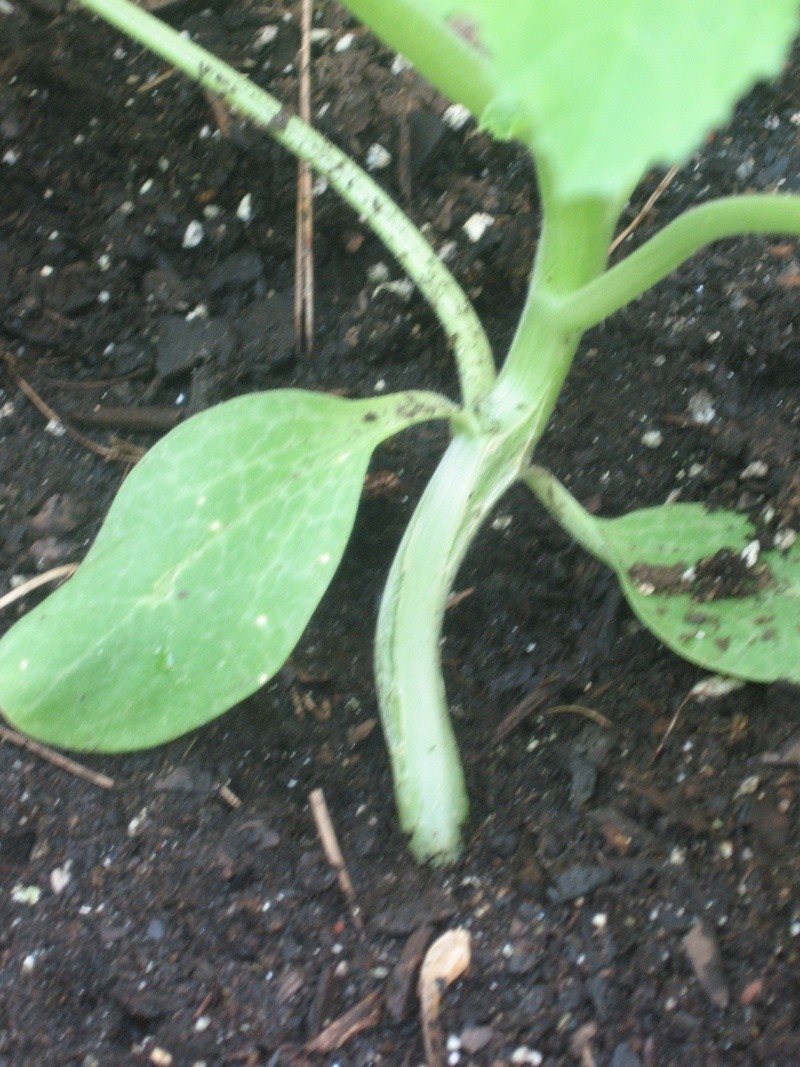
224 538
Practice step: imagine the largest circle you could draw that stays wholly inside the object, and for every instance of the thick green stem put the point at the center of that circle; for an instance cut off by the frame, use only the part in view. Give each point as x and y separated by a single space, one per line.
733 216
449 302
573 248
473 474
449 63
428 777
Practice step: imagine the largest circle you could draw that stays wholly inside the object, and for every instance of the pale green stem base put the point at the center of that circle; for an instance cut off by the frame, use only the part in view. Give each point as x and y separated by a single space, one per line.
428 776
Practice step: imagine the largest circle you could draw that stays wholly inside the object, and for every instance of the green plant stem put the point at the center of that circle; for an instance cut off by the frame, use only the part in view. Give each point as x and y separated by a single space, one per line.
473 474
428 776
568 513
573 249
733 216
448 62
450 304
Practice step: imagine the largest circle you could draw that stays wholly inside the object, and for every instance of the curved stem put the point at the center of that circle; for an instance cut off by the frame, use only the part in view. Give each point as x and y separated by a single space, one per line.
428 777
449 302
732 216
448 62
568 513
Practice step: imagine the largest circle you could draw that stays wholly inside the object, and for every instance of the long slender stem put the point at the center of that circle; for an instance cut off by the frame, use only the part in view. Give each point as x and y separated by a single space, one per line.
450 304
732 216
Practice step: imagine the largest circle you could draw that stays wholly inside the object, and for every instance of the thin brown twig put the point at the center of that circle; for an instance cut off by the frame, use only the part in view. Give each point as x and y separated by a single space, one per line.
333 854
64 571
646 209
581 709
673 723
64 763
155 81
120 451
304 238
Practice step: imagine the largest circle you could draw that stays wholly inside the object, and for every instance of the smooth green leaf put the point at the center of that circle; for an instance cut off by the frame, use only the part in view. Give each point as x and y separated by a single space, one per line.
210 563
603 90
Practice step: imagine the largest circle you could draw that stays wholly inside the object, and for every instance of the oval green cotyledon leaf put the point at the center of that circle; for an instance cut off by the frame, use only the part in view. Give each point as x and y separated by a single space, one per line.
213 557
601 91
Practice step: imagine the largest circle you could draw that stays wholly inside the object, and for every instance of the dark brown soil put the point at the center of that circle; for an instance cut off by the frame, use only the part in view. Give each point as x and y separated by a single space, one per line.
157 923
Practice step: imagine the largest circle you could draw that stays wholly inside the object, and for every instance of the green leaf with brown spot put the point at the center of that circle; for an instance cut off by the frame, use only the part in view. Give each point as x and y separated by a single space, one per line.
724 615
691 578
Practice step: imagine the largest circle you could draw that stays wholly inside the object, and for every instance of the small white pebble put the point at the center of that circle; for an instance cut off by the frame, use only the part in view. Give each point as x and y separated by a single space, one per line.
136 823
757 469
344 42
202 1024
377 157
60 877
400 65
701 408
403 288
525 1055
265 36
784 539
244 212
378 273
726 849
456 117
750 553
600 920
749 786
477 225
652 439
55 428
194 234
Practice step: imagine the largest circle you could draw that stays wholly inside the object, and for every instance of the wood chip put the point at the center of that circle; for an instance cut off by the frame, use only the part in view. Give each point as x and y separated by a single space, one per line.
703 955
445 961
401 980
362 1016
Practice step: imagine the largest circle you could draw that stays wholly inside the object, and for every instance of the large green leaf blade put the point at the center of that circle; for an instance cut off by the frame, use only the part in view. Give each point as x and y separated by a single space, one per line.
211 561
603 90
754 636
